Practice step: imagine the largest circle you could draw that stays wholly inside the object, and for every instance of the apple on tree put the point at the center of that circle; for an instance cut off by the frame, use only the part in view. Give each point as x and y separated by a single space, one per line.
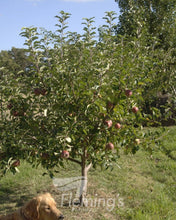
135 109
108 123
109 146
128 93
65 154
16 163
117 126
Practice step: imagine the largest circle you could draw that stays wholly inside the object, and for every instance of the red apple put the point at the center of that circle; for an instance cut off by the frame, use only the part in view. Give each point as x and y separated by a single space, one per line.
128 93
109 146
117 125
16 163
135 109
108 123
65 154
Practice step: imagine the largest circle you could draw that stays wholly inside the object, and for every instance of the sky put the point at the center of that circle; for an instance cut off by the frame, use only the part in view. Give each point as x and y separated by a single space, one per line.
16 14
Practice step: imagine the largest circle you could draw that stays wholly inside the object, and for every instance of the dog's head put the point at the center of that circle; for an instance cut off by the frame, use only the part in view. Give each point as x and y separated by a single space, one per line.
42 207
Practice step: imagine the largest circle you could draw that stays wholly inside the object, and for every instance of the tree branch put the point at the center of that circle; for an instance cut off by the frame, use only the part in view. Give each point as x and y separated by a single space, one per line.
88 167
74 160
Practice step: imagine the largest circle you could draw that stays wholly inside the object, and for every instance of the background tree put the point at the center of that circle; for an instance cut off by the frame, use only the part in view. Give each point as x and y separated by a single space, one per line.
15 60
158 16
156 19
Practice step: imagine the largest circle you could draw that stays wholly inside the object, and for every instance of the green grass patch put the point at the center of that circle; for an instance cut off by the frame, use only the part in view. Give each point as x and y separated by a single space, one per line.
140 187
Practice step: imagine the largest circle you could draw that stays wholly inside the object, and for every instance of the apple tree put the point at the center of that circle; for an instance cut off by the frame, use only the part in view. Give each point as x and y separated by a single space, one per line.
80 100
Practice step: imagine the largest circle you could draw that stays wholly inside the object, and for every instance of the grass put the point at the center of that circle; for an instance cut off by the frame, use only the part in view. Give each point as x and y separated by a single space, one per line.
140 187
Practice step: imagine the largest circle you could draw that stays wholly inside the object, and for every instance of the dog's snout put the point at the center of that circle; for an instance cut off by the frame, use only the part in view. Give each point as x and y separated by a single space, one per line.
61 217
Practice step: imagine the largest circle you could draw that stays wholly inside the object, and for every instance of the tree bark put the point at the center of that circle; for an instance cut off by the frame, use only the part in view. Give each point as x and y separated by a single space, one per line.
84 171
84 181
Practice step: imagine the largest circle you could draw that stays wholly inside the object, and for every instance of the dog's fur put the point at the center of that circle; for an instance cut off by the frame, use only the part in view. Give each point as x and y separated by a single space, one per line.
42 207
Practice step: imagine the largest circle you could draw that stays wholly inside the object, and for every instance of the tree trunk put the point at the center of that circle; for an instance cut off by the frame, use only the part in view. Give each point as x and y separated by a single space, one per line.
84 180
83 189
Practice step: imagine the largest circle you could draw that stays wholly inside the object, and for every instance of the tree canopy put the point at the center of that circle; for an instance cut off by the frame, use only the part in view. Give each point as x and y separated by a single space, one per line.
158 16
15 60
82 98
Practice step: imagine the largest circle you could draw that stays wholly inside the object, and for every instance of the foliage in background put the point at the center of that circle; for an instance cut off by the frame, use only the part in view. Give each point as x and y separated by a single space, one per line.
154 21
15 60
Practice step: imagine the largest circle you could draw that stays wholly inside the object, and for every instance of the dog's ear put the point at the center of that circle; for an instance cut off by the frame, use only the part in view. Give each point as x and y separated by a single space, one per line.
31 209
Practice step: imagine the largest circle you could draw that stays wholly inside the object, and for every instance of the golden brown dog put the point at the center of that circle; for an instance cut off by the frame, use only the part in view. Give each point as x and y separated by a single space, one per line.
42 207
